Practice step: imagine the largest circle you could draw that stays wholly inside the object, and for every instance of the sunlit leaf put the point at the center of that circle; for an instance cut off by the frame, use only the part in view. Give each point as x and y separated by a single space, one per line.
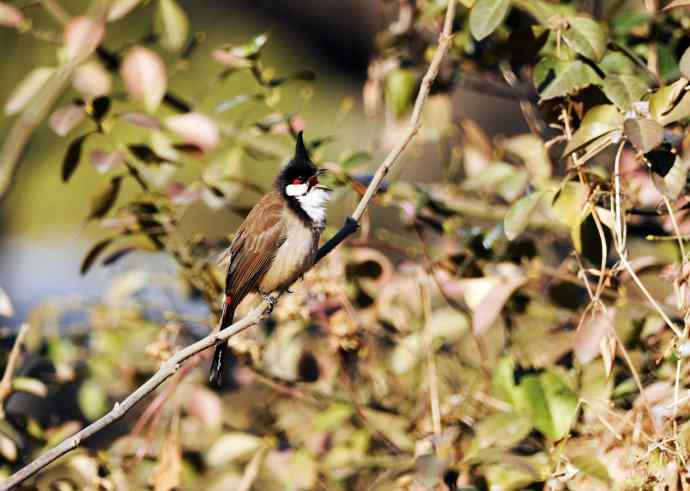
64 119
598 121
624 90
72 157
232 446
10 16
27 89
30 386
142 120
552 404
643 133
6 308
556 78
172 25
195 128
662 101
120 8
105 161
533 153
570 203
519 214
144 75
252 48
93 400
400 89
8 448
82 37
486 16
677 3
586 37
92 79
670 181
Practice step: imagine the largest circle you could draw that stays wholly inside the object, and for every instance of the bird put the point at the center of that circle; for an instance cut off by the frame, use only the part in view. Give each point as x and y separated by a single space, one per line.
276 243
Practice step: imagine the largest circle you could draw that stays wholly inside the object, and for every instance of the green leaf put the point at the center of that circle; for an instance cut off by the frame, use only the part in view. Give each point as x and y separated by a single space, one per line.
644 133
623 90
30 385
570 203
104 200
93 400
684 64
93 254
679 111
27 89
673 182
598 121
172 25
230 447
502 430
586 37
662 101
552 405
252 48
486 16
531 150
71 160
616 63
562 77
400 89
517 218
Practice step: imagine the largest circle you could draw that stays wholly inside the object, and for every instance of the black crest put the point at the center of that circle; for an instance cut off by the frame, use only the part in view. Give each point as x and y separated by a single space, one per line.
300 167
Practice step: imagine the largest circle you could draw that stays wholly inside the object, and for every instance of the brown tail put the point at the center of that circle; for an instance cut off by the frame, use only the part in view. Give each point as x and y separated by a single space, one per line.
215 378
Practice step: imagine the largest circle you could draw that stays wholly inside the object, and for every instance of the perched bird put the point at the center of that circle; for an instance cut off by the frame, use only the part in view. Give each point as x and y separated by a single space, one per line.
276 243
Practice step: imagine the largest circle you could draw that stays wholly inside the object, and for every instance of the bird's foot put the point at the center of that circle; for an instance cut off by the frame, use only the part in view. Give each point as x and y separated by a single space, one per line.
271 301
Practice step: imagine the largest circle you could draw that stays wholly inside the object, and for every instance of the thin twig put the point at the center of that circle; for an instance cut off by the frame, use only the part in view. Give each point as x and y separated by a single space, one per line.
432 376
11 367
172 365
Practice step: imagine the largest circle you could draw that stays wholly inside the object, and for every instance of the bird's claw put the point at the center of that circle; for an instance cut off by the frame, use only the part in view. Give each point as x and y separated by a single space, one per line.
271 301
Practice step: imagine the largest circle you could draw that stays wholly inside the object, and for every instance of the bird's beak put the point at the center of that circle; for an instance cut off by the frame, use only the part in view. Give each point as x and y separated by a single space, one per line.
321 171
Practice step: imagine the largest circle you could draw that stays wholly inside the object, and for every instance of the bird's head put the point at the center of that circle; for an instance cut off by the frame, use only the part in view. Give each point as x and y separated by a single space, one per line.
299 184
300 176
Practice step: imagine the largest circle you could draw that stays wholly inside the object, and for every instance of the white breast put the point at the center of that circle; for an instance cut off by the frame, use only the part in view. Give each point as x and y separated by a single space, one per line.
314 204
293 257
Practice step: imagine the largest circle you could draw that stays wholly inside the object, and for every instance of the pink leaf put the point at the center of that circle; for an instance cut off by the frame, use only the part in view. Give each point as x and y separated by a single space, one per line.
195 128
141 119
10 16
120 8
92 80
104 161
225 57
66 118
82 37
145 78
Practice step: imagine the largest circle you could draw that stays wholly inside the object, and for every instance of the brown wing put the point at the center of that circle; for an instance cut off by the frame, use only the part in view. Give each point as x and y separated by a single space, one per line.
254 246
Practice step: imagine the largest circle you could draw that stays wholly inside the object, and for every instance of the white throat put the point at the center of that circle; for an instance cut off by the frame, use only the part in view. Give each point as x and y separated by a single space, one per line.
313 202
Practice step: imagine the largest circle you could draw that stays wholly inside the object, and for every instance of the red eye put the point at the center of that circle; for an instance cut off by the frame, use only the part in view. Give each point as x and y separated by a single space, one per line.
297 181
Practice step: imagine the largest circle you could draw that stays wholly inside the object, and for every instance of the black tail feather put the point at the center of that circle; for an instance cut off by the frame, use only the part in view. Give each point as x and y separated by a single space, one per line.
215 378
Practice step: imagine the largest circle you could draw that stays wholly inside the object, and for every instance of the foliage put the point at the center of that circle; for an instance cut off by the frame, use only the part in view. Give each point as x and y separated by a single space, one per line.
521 322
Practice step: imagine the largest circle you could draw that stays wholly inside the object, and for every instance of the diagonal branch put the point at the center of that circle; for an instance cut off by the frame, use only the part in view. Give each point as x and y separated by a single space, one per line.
172 365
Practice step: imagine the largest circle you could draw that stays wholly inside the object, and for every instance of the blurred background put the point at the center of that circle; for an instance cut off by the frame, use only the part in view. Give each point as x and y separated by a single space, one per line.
43 234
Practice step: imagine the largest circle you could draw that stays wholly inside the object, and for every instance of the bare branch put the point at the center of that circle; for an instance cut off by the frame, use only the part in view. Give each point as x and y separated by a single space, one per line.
172 365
